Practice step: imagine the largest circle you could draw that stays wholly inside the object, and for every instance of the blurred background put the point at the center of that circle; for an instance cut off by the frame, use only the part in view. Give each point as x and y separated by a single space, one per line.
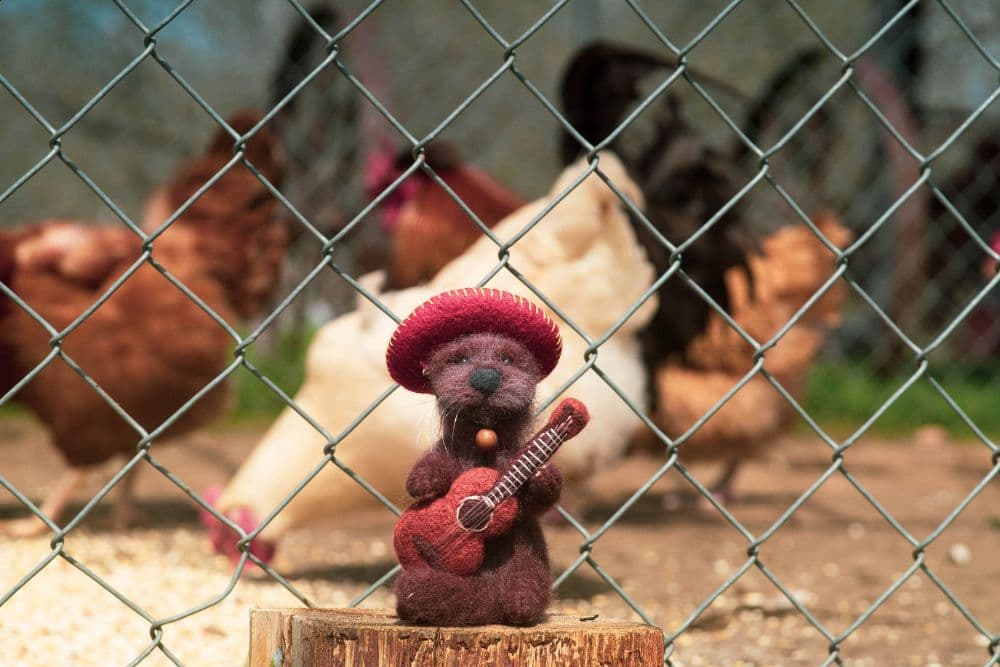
923 269
232 54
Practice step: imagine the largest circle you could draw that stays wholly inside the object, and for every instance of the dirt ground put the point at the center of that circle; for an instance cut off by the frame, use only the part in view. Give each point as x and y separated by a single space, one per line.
836 554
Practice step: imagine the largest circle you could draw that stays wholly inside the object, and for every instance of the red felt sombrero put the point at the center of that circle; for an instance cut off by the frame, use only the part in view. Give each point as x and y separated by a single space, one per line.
460 312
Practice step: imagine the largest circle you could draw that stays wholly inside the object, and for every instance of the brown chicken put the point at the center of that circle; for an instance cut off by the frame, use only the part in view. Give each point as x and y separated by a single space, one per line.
791 266
149 347
692 355
428 228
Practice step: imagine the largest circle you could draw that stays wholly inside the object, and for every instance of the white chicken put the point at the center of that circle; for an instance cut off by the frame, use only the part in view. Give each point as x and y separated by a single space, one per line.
583 255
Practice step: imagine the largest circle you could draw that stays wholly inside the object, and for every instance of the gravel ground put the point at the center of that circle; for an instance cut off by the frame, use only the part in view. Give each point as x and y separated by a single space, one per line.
836 555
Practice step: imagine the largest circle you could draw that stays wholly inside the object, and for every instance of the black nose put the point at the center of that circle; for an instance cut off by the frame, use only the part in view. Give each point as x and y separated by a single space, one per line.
485 380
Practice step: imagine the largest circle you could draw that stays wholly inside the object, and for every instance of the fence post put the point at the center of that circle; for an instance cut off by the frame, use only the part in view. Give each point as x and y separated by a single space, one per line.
372 637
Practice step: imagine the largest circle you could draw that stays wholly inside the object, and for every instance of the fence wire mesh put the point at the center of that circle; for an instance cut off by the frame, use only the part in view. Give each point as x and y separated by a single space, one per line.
304 199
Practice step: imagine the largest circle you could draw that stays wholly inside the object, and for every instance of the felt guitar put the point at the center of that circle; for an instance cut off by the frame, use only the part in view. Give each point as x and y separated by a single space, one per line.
450 532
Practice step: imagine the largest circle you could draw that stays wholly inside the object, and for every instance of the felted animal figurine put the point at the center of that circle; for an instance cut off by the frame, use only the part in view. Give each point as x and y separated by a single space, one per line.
481 352
450 532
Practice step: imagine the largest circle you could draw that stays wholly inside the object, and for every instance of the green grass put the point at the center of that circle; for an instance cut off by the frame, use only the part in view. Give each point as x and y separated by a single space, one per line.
841 397
283 363
11 409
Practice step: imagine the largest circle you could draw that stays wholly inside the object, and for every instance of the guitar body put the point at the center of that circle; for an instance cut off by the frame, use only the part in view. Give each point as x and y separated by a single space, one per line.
429 532
449 533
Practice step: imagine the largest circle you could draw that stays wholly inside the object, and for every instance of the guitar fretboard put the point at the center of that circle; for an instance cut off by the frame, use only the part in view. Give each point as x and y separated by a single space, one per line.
526 464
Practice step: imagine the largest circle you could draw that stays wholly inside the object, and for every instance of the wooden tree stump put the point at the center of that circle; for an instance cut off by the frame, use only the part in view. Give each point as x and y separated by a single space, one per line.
370 637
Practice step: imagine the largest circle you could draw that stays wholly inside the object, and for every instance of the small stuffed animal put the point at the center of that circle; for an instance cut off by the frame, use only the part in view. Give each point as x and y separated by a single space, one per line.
481 352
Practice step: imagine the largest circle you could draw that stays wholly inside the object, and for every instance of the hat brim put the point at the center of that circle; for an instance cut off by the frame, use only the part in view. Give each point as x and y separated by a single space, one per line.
457 313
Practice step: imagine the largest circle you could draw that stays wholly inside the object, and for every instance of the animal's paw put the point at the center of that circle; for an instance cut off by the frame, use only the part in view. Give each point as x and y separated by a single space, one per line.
503 517
430 481
525 604
428 486
413 588
542 490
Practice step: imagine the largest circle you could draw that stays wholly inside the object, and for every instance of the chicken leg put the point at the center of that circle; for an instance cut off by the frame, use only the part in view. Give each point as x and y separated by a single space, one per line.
126 513
53 506
721 489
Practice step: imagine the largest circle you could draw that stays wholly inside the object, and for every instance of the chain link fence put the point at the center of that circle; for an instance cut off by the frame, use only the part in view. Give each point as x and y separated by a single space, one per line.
909 166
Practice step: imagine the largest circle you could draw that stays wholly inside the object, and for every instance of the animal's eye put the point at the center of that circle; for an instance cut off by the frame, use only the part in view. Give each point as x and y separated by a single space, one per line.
459 359
506 358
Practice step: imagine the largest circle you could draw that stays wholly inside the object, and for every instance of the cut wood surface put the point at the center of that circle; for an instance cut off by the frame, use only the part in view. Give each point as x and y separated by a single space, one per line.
370 637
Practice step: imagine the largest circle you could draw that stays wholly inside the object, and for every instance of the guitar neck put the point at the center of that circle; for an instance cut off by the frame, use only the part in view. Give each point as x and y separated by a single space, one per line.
537 453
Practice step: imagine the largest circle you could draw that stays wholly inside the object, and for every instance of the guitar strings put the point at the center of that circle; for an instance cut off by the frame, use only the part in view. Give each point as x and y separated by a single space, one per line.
456 534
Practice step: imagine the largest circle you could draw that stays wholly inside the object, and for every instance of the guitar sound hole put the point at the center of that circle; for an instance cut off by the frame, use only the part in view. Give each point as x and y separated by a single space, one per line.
474 514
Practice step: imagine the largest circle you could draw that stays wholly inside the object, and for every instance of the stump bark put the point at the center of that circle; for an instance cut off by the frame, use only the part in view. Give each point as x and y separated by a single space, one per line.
370 637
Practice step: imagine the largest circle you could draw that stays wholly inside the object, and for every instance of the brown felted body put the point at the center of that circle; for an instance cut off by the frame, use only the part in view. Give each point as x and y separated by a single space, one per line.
512 587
